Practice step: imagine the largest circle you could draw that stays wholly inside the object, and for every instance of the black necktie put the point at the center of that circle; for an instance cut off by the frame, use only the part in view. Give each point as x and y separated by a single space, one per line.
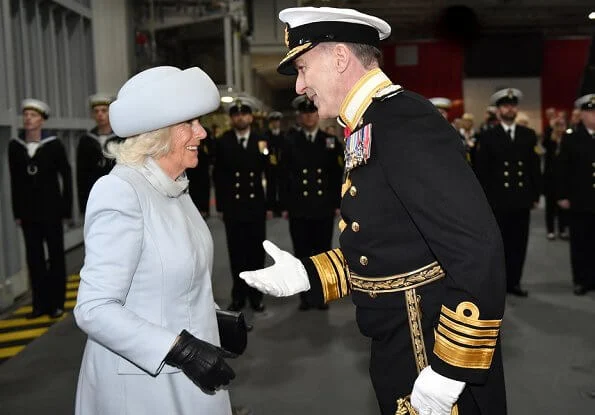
509 133
243 142
310 138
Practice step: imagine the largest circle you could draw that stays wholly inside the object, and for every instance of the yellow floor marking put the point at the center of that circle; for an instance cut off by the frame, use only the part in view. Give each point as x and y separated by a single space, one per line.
27 309
22 335
4 324
10 351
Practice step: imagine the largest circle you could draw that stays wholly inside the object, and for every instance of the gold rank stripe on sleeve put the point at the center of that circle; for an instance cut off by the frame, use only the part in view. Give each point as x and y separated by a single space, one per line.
463 340
333 274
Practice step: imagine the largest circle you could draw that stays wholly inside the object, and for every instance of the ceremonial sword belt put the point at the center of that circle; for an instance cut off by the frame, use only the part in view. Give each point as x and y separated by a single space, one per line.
394 283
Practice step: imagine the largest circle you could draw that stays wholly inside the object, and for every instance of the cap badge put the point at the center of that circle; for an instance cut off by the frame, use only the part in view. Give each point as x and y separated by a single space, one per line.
287 35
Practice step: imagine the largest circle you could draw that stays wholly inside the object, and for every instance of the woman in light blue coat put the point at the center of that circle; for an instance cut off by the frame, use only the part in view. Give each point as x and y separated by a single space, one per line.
145 298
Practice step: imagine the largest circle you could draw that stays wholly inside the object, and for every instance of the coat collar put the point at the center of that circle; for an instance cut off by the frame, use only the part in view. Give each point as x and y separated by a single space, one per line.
360 97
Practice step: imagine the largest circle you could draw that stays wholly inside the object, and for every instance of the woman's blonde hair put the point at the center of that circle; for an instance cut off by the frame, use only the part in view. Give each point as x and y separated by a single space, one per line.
134 150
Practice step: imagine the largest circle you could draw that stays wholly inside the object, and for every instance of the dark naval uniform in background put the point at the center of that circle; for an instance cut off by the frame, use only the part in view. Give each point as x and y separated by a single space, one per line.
311 176
40 202
421 254
91 163
240 196
576 182
200 177
508 169
275 144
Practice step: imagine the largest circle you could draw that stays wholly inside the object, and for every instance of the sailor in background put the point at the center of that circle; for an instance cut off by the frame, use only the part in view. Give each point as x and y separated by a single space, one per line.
240 165
91 160
576 193
508 167
421 254
311 176
41 185
442 104
200 176
275 137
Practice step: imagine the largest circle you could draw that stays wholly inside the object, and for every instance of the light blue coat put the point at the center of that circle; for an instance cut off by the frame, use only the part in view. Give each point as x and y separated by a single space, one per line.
147 276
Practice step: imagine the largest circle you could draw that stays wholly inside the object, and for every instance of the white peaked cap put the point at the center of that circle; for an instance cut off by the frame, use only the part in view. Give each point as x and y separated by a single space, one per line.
160 97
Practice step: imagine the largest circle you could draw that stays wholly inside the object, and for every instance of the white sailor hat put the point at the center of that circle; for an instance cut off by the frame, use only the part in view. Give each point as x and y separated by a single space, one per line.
306 27
242 105
585 103
162 96
36 105
100 98
275 115
303 104
441 102
506 96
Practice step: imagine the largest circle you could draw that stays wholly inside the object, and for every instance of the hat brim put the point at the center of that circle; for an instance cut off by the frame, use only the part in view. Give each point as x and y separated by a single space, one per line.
176 97
286 66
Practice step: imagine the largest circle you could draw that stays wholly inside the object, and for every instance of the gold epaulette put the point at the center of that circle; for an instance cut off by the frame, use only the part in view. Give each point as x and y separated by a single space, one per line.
333 274
463 340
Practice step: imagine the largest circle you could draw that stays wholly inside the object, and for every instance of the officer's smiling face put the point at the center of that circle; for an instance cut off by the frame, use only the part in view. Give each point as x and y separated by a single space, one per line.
317 78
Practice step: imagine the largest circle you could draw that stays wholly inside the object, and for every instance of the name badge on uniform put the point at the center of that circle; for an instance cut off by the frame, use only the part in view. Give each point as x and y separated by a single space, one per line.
330 143
357 147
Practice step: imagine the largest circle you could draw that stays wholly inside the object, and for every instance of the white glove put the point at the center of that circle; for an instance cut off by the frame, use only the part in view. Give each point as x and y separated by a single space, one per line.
434 394
286 277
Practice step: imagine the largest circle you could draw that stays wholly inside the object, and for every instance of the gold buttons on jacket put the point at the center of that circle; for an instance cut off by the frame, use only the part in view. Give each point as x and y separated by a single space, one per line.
305 181
305 193
251 184
305 171
237 196
363 260
520 163
521 184
593 164
520 173
251 195
319 193
251 174
355 227
318 171
353 191
506 173
319 181
506 164
506 184
237 174
237 184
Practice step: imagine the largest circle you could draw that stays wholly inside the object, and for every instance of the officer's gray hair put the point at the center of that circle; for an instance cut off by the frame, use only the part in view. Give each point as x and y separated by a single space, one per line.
369 56
135 150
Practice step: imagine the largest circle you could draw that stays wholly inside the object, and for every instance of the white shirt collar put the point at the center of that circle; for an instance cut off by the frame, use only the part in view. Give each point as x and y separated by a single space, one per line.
511 127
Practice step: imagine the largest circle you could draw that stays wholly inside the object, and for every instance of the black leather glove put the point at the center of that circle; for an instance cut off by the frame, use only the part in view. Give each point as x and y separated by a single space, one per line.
202 362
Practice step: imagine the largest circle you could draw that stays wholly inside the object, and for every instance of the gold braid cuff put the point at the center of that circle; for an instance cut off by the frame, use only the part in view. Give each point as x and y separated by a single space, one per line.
333 273
463 340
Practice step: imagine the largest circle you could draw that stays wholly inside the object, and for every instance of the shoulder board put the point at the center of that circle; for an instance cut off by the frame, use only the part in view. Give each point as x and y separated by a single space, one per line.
388 92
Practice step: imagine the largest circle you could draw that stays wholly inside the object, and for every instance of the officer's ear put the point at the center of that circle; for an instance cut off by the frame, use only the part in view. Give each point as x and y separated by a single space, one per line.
341 57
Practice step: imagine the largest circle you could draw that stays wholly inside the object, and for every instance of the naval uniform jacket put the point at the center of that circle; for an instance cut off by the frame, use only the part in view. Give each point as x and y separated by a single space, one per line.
311 174
91 163
37 194
200 176
508 169
415 201
238 176
576 170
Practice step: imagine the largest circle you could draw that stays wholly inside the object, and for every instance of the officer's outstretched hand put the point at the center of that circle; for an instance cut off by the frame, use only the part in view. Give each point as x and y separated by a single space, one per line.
286 277
434 394
202 362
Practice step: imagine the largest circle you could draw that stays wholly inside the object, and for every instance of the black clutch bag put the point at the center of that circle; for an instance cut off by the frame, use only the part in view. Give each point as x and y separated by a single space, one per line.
233 331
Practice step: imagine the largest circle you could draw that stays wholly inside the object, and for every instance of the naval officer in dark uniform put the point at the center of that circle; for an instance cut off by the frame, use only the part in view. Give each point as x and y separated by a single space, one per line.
421 253
91 160
275 138
508 168
576 193
311 173
199 177
41 185
240 165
